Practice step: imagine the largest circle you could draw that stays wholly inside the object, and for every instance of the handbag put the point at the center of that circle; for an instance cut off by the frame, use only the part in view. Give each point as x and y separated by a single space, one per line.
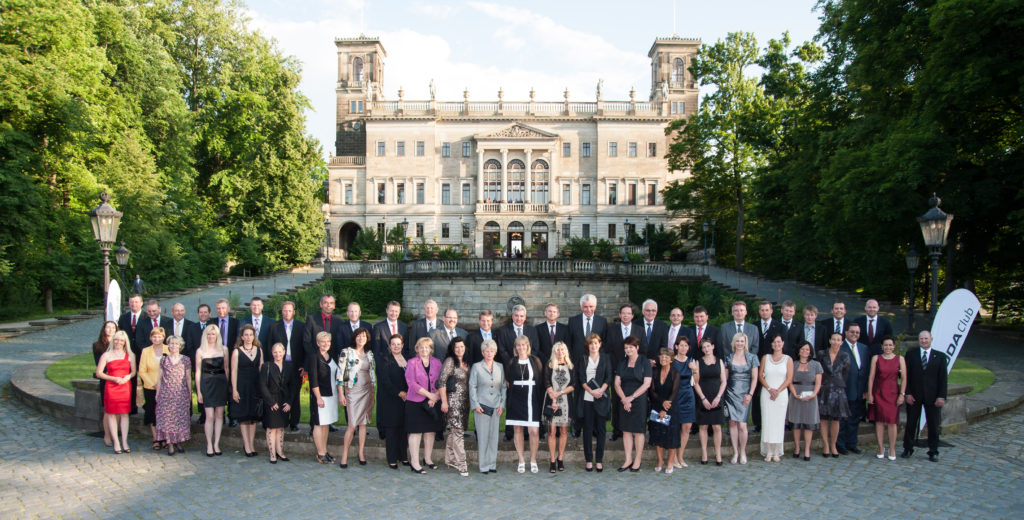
488 410
549 411
449 384
431 410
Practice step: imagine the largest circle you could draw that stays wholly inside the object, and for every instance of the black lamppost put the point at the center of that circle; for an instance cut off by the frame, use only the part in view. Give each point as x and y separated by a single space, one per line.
705 243
121 256
935 228
625 246
326 210
647 238
105 221
405 240
569 234
713 222
912 259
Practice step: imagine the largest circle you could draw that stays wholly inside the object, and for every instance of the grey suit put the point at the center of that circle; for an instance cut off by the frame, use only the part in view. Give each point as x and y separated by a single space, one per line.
487 388
728 330
441 339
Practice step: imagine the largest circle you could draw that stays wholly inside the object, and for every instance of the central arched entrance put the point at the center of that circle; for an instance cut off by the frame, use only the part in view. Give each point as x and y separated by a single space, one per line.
346 237
492 238
516 236
539 239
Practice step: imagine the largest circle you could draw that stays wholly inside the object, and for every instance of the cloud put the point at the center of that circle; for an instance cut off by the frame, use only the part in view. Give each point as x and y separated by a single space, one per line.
435 11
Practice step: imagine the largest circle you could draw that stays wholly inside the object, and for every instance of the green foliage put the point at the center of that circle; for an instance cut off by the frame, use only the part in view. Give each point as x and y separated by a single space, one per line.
366 241
584 248
372 296
687 295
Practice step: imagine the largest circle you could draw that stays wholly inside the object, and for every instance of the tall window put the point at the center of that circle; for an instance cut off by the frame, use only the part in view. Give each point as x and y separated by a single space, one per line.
516 187
585 149
539 194
419 193
444 230
632 149
380 230
613 149
631 198
586 230
446 149
357 69
348 194
420 148
400 148
446 194
611 230
678 71
492 180
467 148
566 230
629 230
566 149
678 107
613 190
380 193
465 230
652 194
380 148
419 230
355 107
652 149
400 193
466 197
585 195
566 194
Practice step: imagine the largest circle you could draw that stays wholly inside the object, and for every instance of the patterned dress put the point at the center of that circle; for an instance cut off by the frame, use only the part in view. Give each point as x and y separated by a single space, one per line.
832 403
173 400
560 378
457 419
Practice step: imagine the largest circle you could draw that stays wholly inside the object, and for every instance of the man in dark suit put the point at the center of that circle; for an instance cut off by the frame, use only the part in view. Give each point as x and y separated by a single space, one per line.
653 332
873 328
767 329
325 320
450 330
617 333
702 330
584 323
152 320
129 322
677 329
261 323
838 322
793 328
738 324
856 389
551 332
194 340
228 324
506 336
384 329
813 332
477 337
289 332
422 327
926 387
354 313
181 327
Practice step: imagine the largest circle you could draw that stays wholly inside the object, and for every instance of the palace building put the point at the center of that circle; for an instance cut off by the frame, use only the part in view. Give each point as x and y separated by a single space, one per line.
514 173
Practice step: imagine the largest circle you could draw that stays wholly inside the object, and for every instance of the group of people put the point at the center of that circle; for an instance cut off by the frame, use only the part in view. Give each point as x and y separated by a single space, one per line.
426 378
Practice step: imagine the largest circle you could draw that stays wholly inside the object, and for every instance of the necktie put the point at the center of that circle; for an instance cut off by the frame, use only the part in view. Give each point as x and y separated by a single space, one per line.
787 323
256 323
327 321
224 330
871 330
809 334
856 355
177 328
672 332
519 332
134 317
764 326
430 327
552 334
288 334
648 333
839 327
155 323
451 334
700 334
394 329
585 332
739 326
924 359
486 335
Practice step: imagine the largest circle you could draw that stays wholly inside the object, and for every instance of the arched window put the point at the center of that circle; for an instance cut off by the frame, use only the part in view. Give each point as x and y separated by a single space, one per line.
492 180
678 71
357 70
540 173
516 187
515 225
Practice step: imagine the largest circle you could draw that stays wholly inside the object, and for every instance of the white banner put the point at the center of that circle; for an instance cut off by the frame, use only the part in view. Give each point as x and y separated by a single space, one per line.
113 310
953 321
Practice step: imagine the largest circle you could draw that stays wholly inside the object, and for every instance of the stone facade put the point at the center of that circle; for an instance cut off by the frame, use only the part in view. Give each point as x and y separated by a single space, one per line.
508 173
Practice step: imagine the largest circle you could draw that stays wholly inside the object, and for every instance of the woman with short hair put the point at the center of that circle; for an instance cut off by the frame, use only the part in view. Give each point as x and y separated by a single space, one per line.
279 387
149 373
832 403
802 414
174 397
392 391
422 414
323 405
632 380
595 377
664 389
487 392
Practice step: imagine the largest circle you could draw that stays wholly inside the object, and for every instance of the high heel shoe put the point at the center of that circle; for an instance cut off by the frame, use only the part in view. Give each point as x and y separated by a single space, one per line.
431 465
589 467
282 458
393 466
561 466
421 471
703 462
362 462
624 468
554 468
599 467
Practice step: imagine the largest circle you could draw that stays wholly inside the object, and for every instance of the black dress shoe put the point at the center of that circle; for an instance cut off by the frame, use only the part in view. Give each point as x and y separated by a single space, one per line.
616 436
282 458
623 468
842 451
934 457
854 450
907 453
806 458
233 423
293 429
796 455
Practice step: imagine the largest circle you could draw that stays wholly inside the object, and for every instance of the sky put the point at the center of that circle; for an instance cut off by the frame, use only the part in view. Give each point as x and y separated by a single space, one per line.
484 46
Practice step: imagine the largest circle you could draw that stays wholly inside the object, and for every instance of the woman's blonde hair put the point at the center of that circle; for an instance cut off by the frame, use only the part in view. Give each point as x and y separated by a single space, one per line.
553 362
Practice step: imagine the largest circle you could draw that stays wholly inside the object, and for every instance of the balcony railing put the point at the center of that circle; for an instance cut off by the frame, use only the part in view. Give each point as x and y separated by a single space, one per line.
510 207
551 268
515 108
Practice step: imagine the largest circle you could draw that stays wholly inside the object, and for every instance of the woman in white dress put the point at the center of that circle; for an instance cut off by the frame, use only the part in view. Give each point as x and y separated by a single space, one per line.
323 403
775 376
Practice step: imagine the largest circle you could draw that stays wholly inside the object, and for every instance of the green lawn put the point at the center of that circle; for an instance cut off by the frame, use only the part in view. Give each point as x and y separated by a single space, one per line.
967 373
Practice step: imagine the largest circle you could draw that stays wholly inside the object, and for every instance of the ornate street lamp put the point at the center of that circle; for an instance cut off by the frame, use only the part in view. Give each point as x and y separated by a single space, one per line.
569 234
912 259
121 256
105 221
935 228
326 209
625 245
647 238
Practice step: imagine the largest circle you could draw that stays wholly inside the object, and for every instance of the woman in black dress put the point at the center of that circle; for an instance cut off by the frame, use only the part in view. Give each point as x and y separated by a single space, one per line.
524 377
832 403
246 361
391 392
279 388
664 387
631 383
710 378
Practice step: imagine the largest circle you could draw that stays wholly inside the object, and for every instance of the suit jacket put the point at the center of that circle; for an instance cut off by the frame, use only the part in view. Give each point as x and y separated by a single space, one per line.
764 336
830 326
882 328
821 335
614 345
194 338
278 334
714 334
926 384
793 336
857 376
728 330
604 375
232 331
577 348
263 334
391 381
186 329
659 337
441 341
506 338
125 323
381 339
345 329
144 326
683 331
474 340
545 343
418 329
314 326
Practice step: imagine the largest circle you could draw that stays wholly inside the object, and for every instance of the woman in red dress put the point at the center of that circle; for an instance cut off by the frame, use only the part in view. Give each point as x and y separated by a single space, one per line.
117 367
886 385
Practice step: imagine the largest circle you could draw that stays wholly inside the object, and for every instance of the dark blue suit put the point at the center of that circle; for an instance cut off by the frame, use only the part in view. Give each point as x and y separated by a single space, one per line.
856 386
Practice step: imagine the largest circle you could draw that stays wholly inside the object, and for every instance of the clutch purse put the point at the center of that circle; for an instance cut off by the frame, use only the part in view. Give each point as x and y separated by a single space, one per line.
655 418
488 410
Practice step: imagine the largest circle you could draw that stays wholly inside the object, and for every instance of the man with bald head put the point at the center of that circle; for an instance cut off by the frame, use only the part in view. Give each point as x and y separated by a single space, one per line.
873 327
423 327
926 388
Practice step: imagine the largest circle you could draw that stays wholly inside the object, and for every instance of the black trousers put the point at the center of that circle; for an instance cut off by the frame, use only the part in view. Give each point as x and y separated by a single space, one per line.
593 423
616 431
848 427
933 415
396 444
755 406
295 413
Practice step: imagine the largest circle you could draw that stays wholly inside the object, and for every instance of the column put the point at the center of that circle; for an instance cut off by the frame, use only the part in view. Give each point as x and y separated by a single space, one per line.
504 173
529 176
479 174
